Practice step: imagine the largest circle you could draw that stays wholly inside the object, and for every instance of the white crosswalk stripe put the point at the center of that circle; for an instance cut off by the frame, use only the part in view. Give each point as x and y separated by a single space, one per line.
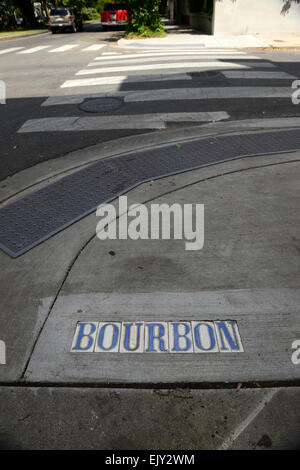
258 64
119 80
140 121
94 47
10 49
207 93
64 48
258 74
164 66
67 47
204 93
142 60
33 50
118 57
111 70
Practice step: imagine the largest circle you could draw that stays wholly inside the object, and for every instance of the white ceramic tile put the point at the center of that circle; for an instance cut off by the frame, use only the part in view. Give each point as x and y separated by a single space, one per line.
156 337
180 337
84 338
132 337
108 337
228 336
204 337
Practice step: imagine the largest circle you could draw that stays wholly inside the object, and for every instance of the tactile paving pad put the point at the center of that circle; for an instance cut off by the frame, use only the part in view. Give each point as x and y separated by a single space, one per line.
36 217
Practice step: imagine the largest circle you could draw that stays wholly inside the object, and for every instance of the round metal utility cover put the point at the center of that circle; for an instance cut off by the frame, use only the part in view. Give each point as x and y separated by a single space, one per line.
101 105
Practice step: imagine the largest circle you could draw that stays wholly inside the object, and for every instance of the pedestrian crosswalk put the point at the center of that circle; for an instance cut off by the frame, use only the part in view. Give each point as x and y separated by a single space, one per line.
10 49
119 80
33 50
162 81
258 74
50 48
163 66
67 47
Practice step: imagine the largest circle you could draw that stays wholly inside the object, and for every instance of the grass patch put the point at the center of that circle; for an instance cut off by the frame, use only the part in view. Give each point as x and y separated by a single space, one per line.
20 32
91 21
147 33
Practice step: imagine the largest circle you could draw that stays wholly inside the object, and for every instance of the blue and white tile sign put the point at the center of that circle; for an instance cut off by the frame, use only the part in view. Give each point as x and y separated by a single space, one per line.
157 337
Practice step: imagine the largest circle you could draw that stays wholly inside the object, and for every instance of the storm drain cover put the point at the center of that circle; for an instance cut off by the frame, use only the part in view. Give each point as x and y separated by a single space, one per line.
101 105
36 217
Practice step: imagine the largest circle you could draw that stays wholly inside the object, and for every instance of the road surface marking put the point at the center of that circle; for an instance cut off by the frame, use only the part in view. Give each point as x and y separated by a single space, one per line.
167 54
11 49
177 65
94 47
138 121
142 60
67 47
204 93
257 74
124 79
33 50
258 64
208 93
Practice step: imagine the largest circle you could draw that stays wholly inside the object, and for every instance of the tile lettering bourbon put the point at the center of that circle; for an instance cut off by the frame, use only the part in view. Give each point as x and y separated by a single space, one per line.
157 337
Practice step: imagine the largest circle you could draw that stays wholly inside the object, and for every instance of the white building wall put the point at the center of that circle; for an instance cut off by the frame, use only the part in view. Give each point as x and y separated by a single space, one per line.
256 16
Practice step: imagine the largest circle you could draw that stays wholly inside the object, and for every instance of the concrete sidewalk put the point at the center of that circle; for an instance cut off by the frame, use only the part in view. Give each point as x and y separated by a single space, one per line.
280 40
183 37
248 272
188 40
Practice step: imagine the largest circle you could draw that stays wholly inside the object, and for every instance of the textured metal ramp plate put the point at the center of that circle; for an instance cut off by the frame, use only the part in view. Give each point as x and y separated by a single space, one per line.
36 217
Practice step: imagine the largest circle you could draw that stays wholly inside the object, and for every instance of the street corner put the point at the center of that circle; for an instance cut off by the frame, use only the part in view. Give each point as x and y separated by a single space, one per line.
149 227
140 310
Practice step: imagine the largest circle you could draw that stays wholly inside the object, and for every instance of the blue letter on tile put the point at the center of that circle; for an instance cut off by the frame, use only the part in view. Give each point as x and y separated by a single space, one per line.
159 337
82 335
114 338
127 336
223 330
177 336
211 334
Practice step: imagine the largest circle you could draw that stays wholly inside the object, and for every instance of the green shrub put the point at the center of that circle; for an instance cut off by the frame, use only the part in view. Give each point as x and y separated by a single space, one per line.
144 18
89 14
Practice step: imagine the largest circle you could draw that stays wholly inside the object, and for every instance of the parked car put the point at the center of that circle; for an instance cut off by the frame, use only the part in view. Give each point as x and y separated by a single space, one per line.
62 18
114 14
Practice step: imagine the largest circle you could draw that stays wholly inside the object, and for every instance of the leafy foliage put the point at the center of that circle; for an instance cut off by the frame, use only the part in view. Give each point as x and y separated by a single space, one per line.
90 14
78 5
24 8
144 17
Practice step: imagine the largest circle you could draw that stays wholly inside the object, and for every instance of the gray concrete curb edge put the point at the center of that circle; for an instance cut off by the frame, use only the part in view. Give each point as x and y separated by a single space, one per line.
42 173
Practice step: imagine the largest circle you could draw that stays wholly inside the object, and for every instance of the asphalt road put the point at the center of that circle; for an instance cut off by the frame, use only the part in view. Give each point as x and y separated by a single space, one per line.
34 70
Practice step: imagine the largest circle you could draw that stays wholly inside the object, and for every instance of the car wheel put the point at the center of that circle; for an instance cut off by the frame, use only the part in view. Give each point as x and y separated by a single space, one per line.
74 28
53 31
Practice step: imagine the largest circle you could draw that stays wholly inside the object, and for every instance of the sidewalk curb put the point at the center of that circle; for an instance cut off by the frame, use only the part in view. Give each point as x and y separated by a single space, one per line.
42 173
129 43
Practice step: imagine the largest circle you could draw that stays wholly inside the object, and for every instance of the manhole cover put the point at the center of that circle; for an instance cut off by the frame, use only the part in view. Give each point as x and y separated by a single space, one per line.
101 105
